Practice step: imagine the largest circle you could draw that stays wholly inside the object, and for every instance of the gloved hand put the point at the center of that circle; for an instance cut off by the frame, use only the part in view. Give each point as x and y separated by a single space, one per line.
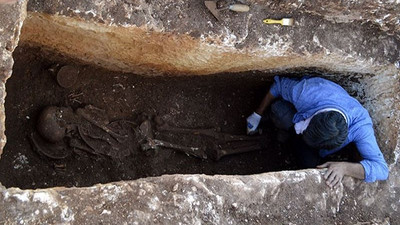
252 123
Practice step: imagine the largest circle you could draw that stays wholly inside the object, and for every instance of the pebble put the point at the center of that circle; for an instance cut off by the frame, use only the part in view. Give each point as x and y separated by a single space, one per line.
175 188
397 64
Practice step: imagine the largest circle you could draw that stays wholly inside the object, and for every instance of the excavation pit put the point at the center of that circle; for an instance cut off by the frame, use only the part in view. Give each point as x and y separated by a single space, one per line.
354 43
191 102
220 102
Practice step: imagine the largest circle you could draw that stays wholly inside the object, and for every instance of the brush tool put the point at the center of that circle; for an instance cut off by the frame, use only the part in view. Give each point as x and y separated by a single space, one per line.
283 22
212 6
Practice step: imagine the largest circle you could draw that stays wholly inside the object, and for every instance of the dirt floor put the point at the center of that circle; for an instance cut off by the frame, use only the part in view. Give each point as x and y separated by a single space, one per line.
219 101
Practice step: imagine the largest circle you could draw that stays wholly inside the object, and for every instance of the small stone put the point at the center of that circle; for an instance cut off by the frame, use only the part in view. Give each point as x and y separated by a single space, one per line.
397 64
175 188
142 192
107 212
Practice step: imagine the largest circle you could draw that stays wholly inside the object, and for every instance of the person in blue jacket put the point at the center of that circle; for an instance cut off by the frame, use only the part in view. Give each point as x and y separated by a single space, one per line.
326 118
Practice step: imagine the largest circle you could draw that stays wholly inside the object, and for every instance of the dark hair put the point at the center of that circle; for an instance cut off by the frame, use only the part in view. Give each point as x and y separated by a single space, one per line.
327 130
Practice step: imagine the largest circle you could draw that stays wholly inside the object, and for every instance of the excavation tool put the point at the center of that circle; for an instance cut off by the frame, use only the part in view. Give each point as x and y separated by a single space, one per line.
283 22
212 6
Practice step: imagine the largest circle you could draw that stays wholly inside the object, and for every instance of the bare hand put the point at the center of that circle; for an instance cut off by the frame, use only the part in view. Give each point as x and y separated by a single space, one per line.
335 173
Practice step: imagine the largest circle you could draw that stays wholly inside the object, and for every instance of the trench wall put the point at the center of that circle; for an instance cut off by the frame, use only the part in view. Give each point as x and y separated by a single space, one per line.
357 39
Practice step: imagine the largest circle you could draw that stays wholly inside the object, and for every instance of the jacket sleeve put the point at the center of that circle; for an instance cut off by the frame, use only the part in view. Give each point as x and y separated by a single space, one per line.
284 87
375 166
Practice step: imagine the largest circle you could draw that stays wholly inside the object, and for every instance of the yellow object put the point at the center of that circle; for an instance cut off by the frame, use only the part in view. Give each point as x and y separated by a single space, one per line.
283 22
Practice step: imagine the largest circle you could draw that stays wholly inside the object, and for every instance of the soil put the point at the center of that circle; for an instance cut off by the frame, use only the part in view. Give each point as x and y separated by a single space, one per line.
189 102
216 101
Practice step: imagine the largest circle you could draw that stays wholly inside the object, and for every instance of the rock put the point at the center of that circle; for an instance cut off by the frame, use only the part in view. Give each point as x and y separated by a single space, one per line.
113 34
297 197
11 19
182 38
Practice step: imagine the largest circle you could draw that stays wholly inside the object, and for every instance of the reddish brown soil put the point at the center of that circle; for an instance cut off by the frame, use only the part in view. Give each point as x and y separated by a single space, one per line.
223 100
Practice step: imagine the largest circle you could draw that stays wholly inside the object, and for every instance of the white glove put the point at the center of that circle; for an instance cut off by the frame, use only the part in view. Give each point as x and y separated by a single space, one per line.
252 123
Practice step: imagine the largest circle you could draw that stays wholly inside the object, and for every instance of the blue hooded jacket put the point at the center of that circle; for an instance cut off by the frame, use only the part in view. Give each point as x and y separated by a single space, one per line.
312 94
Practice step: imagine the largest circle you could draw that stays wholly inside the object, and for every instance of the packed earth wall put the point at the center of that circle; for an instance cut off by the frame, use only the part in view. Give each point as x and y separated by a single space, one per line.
183 38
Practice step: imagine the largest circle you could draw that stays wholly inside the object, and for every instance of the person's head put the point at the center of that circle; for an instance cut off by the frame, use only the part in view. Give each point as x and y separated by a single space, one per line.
327 130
